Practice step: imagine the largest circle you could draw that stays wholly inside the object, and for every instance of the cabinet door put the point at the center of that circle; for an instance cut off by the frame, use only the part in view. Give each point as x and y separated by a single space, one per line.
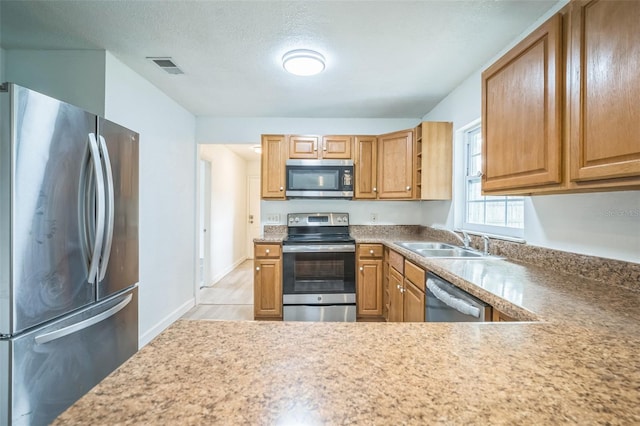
369 288
366 167
336 147
274 155
395 296
605 90
522 113
267 288
303 147
395 165
413 303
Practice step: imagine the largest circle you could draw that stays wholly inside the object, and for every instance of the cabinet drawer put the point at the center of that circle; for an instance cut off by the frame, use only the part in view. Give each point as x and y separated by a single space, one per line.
414 274
396 261
271 251
370 250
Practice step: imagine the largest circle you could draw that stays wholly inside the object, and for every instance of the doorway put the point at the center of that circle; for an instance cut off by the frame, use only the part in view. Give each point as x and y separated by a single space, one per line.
253 210
204 223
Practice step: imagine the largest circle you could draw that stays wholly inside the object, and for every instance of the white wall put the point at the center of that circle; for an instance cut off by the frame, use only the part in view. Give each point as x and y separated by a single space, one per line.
387 212
228 209
249 129
167 194
599 224
73 76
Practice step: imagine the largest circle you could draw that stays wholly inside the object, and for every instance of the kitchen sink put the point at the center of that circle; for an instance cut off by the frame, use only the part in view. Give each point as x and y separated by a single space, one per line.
442 250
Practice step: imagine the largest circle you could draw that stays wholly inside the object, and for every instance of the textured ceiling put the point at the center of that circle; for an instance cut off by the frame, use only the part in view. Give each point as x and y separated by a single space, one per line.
393 59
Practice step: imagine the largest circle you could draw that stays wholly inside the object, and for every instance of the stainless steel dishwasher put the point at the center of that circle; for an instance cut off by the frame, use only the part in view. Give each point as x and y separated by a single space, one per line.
447 303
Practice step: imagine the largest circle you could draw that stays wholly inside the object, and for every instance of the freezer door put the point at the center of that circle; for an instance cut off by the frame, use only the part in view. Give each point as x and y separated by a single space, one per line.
48 149
53 366
119 262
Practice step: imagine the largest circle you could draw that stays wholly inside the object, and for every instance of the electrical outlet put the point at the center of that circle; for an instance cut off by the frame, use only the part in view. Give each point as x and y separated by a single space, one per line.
374 217
273 218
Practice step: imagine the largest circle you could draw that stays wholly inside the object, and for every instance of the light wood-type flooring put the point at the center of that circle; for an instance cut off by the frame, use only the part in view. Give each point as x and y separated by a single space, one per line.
231 298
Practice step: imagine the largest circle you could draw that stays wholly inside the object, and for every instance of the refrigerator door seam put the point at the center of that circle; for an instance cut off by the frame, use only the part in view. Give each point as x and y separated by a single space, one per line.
54 335
100 209
106 251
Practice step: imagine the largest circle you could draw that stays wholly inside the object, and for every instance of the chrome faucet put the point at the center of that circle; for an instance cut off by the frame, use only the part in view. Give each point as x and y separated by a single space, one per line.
486 241
465 240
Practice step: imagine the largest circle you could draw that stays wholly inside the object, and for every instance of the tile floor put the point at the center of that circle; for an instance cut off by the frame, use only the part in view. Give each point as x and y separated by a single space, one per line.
231 298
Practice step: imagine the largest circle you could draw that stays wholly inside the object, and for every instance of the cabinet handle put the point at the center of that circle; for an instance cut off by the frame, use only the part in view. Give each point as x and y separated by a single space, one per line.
257 268
315 146
398 286
324 148
402 290
281 188
361 268
267 251
375 189
408 188
370 251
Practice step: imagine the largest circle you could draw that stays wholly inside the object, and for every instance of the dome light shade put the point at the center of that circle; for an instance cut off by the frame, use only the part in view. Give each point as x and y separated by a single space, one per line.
303 62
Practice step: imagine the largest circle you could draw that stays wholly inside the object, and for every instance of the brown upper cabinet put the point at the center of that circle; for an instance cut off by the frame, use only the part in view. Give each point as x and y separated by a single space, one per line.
366 167
314 147
521 112
273 158
604 57
560 110
396 179
434 160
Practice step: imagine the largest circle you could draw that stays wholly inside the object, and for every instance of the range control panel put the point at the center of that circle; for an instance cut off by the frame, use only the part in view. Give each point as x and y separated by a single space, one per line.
318 219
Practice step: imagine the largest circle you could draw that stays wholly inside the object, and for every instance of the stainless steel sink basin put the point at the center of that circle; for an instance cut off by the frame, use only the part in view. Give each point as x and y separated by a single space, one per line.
442 250
425 245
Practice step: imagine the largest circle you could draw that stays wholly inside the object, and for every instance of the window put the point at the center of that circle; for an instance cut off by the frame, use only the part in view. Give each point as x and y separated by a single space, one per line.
496 215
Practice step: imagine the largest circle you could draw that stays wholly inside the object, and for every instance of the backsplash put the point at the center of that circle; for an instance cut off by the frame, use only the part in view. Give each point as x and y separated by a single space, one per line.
609 271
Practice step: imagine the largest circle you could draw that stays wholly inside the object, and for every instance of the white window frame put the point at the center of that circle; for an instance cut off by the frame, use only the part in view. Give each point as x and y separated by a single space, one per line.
476 227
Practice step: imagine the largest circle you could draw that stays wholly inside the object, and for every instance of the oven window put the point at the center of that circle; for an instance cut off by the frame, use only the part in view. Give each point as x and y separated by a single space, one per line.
317 273
314 179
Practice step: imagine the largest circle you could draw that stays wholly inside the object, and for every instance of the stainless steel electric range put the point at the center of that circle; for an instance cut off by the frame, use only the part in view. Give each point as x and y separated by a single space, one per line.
319 268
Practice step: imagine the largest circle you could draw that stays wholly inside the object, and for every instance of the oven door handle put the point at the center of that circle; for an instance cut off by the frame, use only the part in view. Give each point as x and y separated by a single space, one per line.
319 248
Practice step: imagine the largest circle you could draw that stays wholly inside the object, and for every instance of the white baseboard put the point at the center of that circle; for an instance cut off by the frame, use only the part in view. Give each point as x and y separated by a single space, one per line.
230 268
166 322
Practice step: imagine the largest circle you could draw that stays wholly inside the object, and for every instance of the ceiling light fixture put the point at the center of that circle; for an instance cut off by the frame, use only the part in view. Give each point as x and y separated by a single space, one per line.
257 149
303 62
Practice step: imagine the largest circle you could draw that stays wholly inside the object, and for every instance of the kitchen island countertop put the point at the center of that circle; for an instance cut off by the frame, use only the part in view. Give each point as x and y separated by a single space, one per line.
574 361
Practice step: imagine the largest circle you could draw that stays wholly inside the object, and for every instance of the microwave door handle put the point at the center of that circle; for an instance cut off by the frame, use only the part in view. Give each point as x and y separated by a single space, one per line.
452 301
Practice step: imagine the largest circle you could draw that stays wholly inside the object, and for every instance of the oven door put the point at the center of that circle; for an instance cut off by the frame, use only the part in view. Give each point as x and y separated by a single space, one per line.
319 269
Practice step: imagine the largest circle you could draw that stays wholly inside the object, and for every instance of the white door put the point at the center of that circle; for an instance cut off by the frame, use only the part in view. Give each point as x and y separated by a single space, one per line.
204 231
253 212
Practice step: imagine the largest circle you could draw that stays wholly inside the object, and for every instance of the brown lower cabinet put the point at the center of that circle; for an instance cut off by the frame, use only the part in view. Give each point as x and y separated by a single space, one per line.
406 290
501 316
267 282
369 291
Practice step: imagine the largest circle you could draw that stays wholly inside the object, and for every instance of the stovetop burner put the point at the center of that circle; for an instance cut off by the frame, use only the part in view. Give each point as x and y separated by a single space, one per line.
318 238
305 228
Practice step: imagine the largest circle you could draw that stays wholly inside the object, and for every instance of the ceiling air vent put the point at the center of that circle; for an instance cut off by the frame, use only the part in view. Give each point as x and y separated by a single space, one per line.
167 64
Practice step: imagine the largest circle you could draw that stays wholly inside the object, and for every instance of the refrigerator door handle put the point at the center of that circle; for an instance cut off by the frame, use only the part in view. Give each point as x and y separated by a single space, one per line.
100 213
106 250
54 335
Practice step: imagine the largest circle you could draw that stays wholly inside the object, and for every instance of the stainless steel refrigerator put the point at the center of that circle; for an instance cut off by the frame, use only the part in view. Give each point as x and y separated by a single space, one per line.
68 253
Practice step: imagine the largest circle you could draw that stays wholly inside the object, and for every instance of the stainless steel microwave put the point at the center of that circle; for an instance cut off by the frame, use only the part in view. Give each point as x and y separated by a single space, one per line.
319 179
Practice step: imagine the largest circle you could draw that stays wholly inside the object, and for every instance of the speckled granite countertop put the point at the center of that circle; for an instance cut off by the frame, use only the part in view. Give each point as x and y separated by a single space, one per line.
578 364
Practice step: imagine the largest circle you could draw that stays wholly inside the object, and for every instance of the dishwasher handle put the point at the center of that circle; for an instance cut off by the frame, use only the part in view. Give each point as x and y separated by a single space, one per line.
452 301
